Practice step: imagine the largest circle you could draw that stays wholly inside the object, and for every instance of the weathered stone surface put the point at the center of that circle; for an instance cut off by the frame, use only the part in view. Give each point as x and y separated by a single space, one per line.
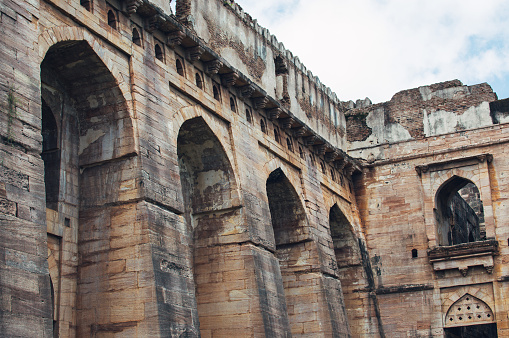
137 200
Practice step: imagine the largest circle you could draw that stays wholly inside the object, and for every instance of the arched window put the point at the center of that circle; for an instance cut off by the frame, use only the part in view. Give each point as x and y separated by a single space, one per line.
159 52
263 126
112 19
301 152
276 135
459 212
87 4
136 37
249 117
289 144
332 175
216 92
232 104
180 67
199 81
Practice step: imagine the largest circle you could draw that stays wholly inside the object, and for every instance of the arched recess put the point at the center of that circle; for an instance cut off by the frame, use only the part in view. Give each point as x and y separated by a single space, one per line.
470 317
55 35
214 216
458 220
349 261
87 129
296 252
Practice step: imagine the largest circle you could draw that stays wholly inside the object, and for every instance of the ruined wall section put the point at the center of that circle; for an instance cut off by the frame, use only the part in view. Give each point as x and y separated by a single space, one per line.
420 112
392 198
255 52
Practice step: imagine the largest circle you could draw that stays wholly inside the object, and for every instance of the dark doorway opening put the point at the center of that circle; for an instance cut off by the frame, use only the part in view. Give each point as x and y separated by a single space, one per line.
472 331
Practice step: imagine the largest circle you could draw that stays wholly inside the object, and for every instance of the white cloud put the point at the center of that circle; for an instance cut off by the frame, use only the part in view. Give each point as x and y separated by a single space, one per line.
375 48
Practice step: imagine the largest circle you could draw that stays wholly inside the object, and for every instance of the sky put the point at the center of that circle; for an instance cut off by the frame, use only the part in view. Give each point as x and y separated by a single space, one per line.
376 48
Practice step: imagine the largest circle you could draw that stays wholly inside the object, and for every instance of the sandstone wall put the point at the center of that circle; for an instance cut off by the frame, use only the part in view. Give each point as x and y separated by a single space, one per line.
254 51
152 232
397 204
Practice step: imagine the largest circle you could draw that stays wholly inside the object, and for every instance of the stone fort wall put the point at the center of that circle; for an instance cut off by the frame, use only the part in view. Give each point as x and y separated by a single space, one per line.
182 174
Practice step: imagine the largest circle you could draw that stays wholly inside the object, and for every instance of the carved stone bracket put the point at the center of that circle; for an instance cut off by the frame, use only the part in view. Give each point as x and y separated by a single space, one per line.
212 67
229 79
464 271
175 38
421 169
194 53
247 91
154 22
331 156
320 149
274 113
287 123
132 6
260 102
349 169
310 140
299 131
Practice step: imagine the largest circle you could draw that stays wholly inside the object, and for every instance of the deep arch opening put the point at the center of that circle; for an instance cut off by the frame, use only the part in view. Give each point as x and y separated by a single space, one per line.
80 98
348 258
294 249
214 217
459 212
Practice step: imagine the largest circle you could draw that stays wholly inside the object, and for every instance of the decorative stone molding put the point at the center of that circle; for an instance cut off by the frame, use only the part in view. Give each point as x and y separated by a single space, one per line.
454 163
469 310
436 175
463 256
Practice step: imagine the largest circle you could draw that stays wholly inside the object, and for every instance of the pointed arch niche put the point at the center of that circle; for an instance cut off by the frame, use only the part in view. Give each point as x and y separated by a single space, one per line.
458 213
214 216
296 252
86 126
348 258
470 317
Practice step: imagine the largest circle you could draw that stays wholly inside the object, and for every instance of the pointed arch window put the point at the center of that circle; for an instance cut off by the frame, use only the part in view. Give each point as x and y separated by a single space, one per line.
112 19
136 37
